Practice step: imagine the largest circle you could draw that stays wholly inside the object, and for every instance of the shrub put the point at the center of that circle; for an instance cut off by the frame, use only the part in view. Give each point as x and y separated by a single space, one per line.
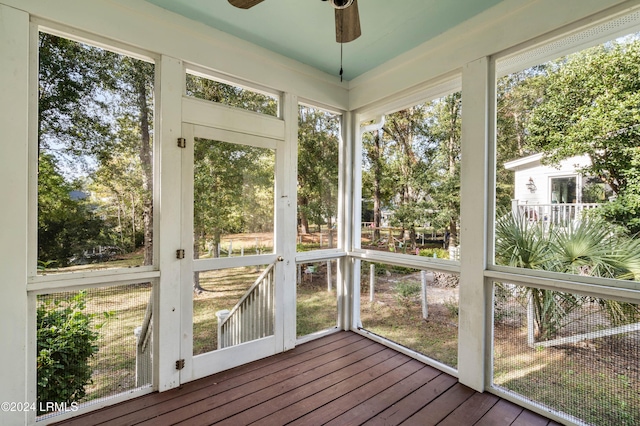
66 343
435 252
407 292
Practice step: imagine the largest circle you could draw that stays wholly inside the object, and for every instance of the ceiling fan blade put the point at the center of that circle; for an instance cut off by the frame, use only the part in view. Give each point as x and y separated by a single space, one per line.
245 4
348 23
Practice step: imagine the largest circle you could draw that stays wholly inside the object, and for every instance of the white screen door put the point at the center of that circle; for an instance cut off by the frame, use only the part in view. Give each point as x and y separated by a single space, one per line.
229 237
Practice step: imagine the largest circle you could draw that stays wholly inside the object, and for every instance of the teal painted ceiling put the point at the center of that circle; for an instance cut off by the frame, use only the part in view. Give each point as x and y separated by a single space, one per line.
303 30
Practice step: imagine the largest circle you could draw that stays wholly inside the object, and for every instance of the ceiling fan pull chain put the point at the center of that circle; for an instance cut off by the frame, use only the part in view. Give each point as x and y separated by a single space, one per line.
341 44
341 62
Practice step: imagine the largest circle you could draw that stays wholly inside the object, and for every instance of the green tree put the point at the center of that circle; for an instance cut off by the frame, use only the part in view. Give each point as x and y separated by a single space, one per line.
235 96
87 96
403 135
412 166
443 128
66 223
318 149
234 190
376 179
592 107
517 95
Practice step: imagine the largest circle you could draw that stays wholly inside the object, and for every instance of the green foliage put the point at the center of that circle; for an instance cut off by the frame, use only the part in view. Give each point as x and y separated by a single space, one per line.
591 107
66 226
215 91
65 344
94 136
412 167
624 211
587 247
318 149
518 93
234 186
407 293
452 306
435 252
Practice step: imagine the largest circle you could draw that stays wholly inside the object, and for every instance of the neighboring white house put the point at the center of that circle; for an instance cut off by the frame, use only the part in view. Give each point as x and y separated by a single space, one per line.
545 192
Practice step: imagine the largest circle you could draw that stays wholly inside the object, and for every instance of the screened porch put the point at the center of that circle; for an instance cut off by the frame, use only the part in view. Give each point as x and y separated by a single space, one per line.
218 214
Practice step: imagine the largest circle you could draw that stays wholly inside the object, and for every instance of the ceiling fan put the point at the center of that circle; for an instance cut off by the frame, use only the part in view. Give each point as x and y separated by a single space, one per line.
346 11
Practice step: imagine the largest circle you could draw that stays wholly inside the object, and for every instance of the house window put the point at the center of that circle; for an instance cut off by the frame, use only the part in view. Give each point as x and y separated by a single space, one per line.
563 190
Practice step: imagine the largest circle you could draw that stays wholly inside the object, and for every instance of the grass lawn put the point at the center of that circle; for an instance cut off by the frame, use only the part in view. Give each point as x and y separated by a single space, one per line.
399 319
316 307
597 381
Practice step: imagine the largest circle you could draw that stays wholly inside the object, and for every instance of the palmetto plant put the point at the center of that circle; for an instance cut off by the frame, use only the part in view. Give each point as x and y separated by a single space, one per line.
586 247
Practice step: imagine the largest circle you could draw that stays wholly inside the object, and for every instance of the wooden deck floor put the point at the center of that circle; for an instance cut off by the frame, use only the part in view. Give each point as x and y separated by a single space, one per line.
341 379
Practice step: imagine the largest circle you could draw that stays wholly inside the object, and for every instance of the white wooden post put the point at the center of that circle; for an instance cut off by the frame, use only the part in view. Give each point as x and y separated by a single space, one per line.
474 343
328 275
372 281
530 322
423 294
230 248
242 251
20 360
299 274
221 315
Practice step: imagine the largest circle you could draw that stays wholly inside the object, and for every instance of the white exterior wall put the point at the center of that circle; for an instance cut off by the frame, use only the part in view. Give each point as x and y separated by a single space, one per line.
541 175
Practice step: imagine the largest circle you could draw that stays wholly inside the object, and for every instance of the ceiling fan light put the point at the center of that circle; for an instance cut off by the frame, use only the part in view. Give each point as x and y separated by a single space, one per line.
341 4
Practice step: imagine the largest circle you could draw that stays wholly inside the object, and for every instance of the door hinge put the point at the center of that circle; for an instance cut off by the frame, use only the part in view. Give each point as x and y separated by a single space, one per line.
180 254
182 143
180 364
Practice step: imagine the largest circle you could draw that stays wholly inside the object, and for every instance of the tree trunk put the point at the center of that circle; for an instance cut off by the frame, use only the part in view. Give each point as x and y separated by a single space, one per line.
376 155
304 220
196 255
141 72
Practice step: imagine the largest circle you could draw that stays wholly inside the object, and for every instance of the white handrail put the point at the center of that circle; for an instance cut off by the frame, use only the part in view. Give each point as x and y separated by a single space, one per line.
553 213
252 317
144 345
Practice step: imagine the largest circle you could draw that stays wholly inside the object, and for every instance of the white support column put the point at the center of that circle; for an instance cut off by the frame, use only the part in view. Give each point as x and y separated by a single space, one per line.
475 296
348 278
286 224
167 312
18 372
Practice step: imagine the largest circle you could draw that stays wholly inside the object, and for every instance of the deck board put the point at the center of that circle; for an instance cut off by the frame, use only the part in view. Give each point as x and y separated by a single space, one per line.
343 378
